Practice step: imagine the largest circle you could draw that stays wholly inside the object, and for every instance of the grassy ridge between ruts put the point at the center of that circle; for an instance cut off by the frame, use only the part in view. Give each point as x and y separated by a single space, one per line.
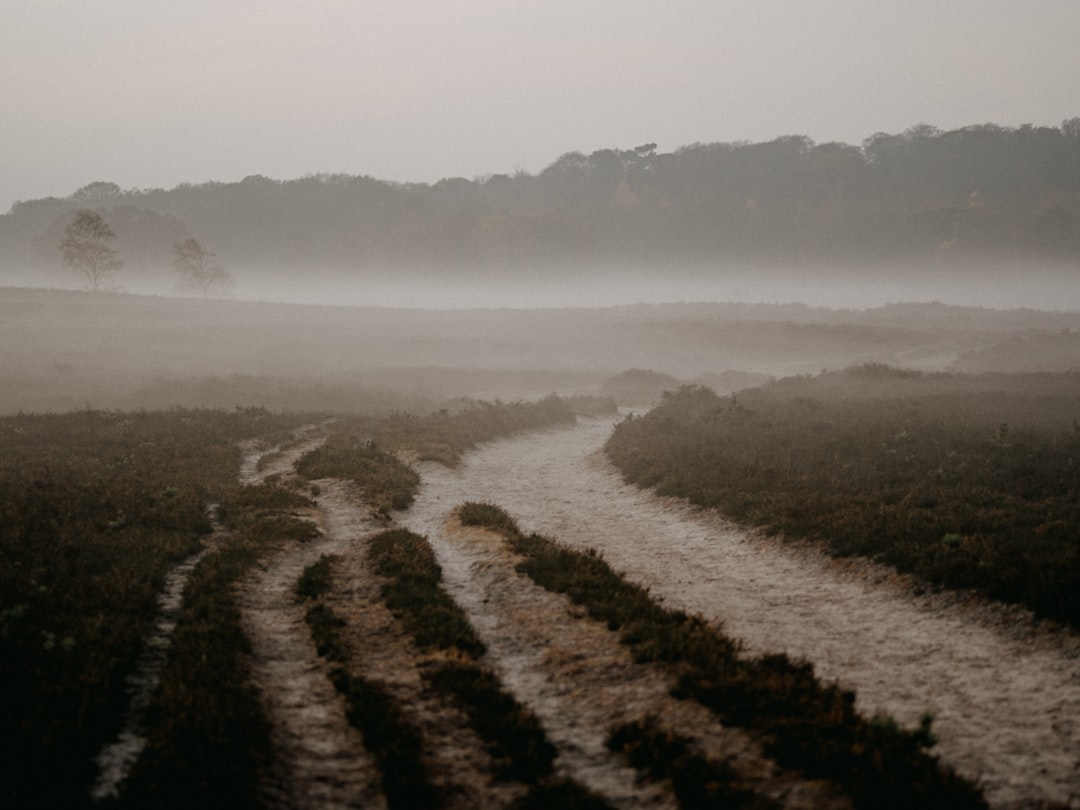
209 739
962 481
95 507
805 724
515 741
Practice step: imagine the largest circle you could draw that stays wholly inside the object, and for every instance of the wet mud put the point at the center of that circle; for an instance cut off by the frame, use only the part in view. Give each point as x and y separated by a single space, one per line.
1004 691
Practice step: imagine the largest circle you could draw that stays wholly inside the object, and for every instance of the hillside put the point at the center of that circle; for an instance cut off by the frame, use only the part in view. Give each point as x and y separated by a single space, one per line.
949 199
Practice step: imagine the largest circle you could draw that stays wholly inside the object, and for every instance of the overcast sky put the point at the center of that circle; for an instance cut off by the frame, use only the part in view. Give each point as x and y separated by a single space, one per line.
149 93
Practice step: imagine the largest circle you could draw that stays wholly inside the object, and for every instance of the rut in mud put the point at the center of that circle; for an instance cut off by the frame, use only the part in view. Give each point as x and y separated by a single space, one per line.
568 669
320 758
582 683
116 760
384 653
1005 693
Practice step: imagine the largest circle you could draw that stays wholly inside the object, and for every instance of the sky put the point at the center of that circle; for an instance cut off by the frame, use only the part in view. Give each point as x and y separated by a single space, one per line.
152 94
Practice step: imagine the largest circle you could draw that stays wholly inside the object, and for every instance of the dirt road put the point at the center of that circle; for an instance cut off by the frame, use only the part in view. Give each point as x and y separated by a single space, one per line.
1005 694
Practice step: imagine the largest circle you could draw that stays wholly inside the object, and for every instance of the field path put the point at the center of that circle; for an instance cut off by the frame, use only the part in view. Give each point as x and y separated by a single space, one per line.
581 682
116 759
320 759
1005 693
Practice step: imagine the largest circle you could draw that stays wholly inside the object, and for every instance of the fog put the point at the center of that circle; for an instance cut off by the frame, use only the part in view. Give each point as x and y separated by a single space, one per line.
1009 285
71 349
857 223
1001 285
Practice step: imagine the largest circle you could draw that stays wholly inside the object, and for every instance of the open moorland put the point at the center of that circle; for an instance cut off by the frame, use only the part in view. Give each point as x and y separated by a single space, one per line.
206 731
63 349
247 555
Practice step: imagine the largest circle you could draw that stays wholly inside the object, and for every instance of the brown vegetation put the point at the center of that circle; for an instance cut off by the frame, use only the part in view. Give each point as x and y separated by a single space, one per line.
966 482
95 507
804 723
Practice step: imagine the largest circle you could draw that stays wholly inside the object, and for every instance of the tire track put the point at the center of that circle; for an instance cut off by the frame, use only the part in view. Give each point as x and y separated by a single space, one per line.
580 681
1005 692
320 759
118 758
384 652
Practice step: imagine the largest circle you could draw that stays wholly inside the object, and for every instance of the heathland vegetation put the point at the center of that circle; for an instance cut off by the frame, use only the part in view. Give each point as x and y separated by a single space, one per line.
965 482
513 737
98 506
805 724
209 734
95 508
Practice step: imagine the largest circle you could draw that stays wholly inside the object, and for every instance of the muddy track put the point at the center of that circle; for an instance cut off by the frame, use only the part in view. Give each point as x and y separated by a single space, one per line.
573 672
383 652
568 669
116 759
320 761
1005 692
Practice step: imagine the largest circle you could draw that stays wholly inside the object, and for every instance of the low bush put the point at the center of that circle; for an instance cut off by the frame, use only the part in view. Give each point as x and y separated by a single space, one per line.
315 580
515 740
325 632
392 740
209 738
513 736
564 794
661 753
413 592
488 516
446 436
385 482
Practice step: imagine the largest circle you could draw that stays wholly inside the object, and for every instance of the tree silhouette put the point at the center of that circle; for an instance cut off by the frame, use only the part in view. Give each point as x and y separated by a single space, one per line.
199 268
87 247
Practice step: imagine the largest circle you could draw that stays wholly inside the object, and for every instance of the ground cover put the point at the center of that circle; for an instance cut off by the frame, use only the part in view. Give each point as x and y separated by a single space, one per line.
95 508
965 482
804 724
209 738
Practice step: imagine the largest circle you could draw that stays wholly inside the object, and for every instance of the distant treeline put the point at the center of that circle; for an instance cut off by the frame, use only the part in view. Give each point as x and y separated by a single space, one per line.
920 194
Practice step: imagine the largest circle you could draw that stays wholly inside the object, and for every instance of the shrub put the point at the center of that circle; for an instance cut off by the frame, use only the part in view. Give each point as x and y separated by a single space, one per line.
517 744
315 580
95 508
413 592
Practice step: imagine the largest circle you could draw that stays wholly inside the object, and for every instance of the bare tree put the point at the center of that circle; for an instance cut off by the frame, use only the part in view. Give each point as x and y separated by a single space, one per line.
88 250
199 268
